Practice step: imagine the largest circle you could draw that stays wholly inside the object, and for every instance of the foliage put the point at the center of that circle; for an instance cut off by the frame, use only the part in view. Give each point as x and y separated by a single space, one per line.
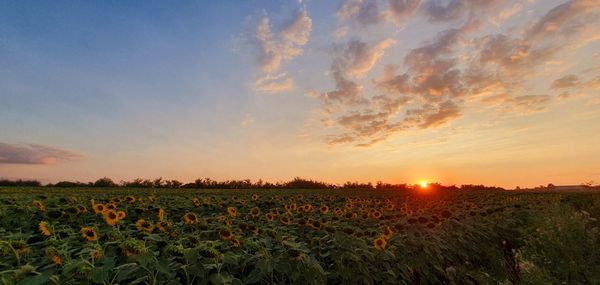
99 235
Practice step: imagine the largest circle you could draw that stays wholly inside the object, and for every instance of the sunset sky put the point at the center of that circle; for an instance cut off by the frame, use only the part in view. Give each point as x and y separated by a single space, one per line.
489 92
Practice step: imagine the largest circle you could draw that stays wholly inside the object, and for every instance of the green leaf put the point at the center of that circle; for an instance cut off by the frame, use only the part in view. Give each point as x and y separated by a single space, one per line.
36 280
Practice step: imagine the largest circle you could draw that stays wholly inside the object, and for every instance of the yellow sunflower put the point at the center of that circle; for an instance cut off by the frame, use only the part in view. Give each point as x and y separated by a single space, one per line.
387 233
232 212
44 230
190 218
39 205
324 209
110 217
121 215
270 217
380 243
88 233
98 208
161 215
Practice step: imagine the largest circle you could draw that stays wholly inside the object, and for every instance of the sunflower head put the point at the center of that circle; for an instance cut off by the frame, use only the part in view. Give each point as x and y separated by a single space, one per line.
111 217
190 218
379 243
235 242
88 233
387 233
196 202
99 208
377 214
254 211
130 199
39 205
232 212
270 217
324 209
44 230
225 234
285 220
161 215
254 197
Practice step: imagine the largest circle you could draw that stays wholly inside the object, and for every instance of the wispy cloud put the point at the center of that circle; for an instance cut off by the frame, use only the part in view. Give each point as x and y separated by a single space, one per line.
277 45
35 154
430 86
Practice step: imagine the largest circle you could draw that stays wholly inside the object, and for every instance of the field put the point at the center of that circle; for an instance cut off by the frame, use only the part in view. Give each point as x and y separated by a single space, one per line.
185 236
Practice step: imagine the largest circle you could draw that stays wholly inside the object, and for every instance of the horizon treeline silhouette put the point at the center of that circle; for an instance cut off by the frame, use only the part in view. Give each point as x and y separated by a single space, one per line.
208 183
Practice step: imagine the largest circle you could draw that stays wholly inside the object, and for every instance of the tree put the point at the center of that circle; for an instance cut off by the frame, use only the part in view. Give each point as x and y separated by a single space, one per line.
105 182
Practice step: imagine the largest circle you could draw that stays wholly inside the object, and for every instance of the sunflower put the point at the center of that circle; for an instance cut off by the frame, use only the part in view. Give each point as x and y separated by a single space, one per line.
307 208
143 225
110 217
20 246
39 205
82 209
88 233
285 220
130 199
324 209
196 202
225 234
270 217
190 218
139 225
254 212
161 215
379 243
232 212
387 233
44 230
349 206
120 215
235 242
98 208
338 212
111 206
376 215
56 259
254 197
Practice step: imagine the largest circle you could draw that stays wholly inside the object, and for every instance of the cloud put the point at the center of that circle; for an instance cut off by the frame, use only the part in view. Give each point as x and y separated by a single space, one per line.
368 12
567 81
520 104
34 154
564 19
356 58
346 92
399 11
438 116
364 12
431 85
438 11
277 45
285 43
274 83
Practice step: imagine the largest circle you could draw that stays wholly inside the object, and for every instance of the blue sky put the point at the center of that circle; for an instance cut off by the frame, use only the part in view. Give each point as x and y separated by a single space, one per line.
394 90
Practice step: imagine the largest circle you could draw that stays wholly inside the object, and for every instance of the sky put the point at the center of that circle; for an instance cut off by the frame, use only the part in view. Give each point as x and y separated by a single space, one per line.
493 92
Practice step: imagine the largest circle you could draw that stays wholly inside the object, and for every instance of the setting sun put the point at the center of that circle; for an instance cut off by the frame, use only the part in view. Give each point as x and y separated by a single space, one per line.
423 184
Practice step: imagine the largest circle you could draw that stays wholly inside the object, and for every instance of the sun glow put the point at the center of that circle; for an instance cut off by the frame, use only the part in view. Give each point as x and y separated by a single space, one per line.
423 184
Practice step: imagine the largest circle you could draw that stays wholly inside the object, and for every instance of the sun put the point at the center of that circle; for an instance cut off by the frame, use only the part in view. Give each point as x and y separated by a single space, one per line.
423 184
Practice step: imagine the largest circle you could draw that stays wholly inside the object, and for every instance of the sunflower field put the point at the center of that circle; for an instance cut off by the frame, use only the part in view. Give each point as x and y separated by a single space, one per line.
192 236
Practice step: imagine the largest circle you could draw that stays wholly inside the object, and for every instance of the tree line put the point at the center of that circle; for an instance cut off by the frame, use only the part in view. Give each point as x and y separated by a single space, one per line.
208 183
